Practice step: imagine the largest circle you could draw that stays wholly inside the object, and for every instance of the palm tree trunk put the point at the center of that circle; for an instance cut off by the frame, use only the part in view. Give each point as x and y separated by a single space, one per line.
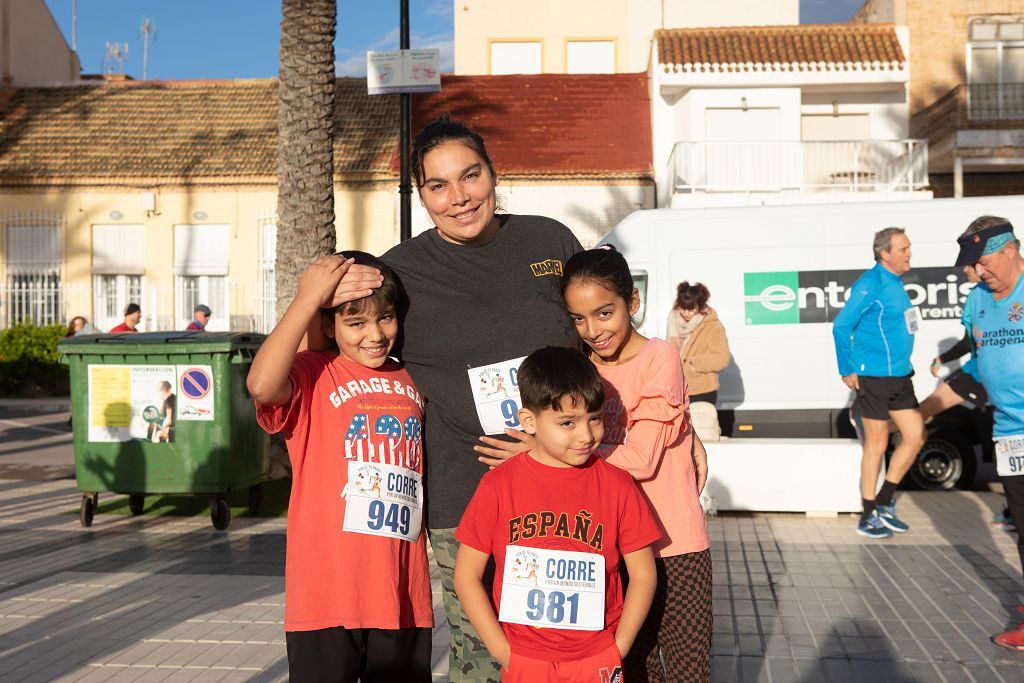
305 152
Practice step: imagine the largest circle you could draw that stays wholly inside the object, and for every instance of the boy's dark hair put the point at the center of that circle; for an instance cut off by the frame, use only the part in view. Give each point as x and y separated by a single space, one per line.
550 374
605 266
385 295
131 308
438 132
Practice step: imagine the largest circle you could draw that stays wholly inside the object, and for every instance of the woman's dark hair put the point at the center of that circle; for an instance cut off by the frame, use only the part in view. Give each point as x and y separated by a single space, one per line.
605 266
438 132
385 295
690 297
131 308
550 374
71 325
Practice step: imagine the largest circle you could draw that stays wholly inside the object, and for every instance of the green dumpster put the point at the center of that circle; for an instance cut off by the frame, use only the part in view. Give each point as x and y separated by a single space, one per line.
165 413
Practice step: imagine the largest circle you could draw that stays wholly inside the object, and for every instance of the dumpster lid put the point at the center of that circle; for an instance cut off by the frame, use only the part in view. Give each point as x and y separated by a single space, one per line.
190 341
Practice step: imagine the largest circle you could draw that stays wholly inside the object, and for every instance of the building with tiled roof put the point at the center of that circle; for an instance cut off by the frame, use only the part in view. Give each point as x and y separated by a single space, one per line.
783 114
967 93
164 193
747 105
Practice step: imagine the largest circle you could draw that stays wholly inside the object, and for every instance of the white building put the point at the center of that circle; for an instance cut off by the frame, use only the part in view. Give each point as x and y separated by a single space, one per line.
783 114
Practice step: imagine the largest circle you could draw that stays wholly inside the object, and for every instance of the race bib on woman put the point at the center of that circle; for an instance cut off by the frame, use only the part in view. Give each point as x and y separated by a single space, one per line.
1010 456
496 395
553 589
383 500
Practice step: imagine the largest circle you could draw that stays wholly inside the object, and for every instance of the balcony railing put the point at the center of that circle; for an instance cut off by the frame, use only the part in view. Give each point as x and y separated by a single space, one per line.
979 105
788 166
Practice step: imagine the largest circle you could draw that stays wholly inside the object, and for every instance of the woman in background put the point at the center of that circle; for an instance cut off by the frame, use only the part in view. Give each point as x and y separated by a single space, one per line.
695 330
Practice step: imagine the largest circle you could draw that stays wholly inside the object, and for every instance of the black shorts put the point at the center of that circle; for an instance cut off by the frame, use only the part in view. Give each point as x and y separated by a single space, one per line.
878 395
967 388
359 654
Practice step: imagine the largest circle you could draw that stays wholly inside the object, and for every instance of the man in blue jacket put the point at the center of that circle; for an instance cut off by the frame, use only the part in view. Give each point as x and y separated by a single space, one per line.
874 335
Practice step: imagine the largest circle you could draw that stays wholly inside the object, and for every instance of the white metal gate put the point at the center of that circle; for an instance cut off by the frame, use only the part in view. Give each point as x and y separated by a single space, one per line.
33 265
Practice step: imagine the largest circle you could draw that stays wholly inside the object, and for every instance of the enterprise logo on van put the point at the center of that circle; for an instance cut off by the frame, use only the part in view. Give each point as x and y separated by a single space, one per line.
817 296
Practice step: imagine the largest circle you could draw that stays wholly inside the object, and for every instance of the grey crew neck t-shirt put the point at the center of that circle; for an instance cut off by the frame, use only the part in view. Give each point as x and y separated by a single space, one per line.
470 306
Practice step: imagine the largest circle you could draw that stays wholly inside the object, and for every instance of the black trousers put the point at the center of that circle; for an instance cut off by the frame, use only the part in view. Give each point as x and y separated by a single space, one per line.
1014 488
369 655
708 397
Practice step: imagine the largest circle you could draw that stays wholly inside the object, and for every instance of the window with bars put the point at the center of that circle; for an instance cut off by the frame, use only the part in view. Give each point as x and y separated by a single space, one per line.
112 294
201 273
118 263
211 290
33 270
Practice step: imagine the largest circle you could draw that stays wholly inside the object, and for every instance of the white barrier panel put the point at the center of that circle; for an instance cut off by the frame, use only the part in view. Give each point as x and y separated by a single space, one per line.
784 475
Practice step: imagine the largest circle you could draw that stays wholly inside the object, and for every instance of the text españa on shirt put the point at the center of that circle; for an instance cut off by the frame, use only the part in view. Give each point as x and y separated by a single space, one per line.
580 527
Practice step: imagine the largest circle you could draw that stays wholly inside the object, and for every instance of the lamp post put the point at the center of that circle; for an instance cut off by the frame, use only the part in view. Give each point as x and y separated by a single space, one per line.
405 105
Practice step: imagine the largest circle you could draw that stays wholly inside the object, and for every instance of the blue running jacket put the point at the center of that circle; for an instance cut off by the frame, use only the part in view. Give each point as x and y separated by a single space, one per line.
871 333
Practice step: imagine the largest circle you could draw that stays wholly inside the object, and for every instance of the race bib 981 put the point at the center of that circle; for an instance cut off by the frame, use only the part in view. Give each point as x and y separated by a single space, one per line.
1010 456
553 589
383 500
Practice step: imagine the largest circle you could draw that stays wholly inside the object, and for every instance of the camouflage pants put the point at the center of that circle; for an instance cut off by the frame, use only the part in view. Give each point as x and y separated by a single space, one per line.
468 659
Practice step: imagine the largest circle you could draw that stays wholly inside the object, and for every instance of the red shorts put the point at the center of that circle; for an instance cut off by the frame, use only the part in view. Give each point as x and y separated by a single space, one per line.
604 667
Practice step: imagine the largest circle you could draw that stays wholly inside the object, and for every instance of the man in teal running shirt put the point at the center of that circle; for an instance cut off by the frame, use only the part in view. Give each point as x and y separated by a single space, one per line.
994 317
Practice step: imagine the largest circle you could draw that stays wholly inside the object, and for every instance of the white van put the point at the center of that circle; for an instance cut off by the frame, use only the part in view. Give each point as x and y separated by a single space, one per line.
778 275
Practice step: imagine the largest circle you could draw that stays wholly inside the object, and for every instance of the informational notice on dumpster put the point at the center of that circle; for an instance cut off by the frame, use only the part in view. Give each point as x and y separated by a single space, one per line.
132 403
195 392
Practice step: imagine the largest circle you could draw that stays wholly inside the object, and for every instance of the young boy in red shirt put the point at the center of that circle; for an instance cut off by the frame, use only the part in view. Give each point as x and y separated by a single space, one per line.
357 583
558 520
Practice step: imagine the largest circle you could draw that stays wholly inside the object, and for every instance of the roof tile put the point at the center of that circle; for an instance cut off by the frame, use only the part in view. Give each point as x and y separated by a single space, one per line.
792 48
183 131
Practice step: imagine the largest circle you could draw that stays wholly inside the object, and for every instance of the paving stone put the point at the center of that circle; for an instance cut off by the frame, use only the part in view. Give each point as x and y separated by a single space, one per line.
795 599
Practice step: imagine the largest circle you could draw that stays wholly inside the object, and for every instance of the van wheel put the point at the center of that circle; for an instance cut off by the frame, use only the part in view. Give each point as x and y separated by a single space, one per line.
945 462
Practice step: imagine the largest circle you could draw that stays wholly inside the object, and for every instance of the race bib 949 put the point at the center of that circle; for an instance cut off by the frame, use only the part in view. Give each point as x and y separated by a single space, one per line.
553 589
383 500
1010 456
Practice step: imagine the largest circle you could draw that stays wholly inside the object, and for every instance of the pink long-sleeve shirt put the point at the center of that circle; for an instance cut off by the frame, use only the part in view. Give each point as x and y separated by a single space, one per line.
647 432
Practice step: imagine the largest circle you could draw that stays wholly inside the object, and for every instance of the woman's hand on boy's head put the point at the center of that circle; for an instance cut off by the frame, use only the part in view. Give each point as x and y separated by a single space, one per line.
498 451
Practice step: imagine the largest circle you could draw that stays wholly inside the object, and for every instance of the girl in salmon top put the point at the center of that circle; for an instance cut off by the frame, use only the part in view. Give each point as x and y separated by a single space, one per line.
648 434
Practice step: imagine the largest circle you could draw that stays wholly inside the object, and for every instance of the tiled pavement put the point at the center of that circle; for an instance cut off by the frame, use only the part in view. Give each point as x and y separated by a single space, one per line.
796 599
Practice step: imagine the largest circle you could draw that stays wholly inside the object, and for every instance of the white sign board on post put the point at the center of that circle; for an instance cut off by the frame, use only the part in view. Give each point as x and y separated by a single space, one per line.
403 71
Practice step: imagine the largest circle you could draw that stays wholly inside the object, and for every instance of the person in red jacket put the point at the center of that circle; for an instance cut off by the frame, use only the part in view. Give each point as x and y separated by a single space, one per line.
200 318
132 316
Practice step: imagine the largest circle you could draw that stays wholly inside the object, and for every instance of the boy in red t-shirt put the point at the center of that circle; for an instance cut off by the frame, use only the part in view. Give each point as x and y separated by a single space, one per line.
357 584
557 521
